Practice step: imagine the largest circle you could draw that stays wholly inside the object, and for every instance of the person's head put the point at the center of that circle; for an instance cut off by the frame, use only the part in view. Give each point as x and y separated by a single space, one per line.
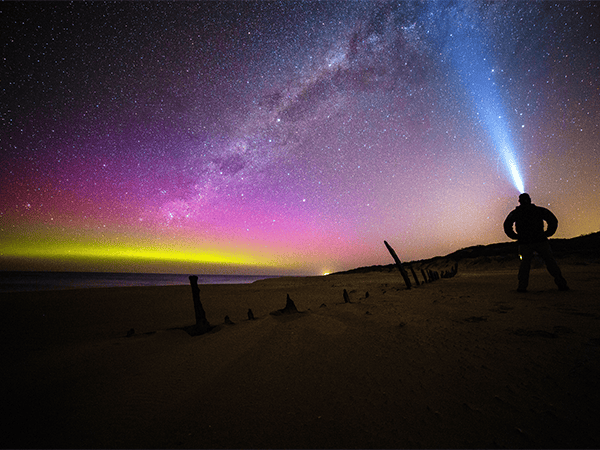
524 199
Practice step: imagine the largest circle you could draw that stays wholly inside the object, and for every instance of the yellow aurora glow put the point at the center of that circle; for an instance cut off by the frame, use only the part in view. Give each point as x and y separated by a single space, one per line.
130 254
116 256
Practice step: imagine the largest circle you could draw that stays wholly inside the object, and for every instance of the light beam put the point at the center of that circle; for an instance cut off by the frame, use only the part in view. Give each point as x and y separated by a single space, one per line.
463 43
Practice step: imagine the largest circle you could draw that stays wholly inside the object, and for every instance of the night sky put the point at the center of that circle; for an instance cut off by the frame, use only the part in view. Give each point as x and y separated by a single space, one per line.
289 137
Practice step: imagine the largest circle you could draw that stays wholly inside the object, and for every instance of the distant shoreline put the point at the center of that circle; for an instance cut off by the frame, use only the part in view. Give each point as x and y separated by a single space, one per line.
28 281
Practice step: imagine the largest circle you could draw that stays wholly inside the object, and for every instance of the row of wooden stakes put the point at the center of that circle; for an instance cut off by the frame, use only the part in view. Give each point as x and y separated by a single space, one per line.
428 276
202 326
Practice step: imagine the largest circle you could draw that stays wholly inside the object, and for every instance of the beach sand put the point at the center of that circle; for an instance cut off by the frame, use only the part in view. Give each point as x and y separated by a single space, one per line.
460 362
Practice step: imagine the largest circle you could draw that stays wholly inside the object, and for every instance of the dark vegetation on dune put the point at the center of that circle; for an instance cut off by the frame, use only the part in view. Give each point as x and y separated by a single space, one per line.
585 249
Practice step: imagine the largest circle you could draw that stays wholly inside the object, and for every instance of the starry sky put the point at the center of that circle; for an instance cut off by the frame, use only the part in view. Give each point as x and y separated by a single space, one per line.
289 137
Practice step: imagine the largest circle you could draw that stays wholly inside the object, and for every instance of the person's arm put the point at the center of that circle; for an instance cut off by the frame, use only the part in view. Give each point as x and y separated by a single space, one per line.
508 227
552 222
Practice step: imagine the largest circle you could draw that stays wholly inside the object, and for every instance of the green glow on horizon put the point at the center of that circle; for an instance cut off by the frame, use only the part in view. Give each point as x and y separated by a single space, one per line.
130 254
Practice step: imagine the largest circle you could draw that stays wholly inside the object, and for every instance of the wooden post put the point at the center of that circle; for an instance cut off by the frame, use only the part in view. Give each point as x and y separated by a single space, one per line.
399 265
290 308
202 325
415 276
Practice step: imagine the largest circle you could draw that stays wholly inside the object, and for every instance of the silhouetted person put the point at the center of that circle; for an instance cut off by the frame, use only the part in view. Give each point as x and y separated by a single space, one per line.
529 225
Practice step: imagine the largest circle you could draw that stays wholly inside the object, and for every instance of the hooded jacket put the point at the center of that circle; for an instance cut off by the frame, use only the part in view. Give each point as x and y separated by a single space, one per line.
529 224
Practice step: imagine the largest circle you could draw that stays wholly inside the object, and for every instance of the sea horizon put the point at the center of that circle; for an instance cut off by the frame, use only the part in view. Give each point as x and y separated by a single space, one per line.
28 281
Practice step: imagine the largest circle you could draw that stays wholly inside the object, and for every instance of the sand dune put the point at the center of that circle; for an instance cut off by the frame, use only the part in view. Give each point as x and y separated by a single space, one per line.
461 362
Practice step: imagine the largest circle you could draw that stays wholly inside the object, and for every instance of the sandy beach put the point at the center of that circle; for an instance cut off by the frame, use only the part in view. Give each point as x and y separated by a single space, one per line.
460 362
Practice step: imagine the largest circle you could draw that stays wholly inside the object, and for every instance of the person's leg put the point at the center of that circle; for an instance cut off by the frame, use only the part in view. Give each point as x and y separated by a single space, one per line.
526 254
545 252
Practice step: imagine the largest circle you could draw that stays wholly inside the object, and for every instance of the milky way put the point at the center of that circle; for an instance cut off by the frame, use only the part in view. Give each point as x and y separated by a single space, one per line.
289 137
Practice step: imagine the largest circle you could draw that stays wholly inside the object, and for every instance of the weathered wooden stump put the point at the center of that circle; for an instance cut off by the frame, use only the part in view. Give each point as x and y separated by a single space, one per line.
202 326
454 270
415 276
399 265
290 308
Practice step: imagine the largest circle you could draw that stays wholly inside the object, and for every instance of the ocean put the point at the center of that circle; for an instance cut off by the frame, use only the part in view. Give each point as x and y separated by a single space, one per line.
47 281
